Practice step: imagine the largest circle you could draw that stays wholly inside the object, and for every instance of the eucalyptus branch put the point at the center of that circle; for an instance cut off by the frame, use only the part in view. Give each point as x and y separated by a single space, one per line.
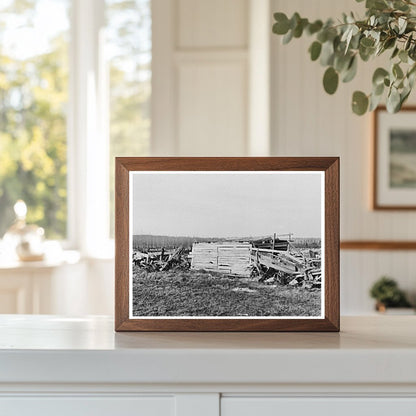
388 25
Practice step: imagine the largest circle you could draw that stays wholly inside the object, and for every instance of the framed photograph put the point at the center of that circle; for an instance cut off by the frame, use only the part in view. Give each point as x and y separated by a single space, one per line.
394 159
227 244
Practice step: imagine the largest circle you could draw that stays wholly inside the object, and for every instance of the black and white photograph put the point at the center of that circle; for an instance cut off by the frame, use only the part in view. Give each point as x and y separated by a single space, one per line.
226 244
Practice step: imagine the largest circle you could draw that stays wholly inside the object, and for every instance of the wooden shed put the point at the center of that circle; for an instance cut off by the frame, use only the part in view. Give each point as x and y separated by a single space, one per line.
226 257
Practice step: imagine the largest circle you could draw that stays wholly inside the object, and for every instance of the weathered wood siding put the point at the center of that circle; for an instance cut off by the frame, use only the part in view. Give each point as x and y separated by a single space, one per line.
227 258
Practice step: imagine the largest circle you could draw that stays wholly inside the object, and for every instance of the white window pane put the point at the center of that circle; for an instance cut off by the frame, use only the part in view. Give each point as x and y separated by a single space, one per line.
33 103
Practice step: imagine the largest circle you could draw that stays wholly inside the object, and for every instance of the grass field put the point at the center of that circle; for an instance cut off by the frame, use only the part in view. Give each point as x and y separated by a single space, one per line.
199 293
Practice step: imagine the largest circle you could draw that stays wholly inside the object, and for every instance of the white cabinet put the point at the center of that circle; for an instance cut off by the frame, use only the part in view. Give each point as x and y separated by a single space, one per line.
66 286
52 365
203 405
26 290
270 406
88 406
42 288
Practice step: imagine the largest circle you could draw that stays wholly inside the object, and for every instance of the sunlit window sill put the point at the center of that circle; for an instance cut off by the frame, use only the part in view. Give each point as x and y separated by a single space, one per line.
55 256
8 262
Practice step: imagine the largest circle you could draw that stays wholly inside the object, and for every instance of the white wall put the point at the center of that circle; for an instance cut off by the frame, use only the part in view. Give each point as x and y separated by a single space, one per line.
308 122
211 86
200 77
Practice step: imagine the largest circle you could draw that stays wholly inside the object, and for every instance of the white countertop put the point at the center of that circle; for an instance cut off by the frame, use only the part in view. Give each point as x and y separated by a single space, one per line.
53 349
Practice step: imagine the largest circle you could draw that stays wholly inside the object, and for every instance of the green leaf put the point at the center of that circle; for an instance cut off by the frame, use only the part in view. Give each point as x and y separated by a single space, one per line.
400 5
412 52
412 70
379 75
336 42
351 71
359 103
327 53
408 42
332 33
322 36
315 50
350 18
281 27
376 4
375 34
374 101
341 61
397 71
298 30
294 20
394 26
366 48
395 52
367 42
403 56
366 53
378 89
411 76
389 43
399 85
330 80
403 96
393 101
314 27
402 24
348 34
382 19
288 37
355 41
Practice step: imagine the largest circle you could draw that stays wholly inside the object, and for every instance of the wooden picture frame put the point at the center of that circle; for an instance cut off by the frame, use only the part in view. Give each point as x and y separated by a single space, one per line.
394 184
135 178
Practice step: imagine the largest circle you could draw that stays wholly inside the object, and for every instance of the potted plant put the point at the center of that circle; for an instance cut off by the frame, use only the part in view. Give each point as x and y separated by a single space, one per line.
387 294
389 27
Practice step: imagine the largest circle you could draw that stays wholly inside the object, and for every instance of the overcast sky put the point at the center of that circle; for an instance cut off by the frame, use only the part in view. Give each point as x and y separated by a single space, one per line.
227 205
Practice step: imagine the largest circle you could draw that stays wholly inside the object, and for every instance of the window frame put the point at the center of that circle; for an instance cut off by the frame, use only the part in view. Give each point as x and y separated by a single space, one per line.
87 133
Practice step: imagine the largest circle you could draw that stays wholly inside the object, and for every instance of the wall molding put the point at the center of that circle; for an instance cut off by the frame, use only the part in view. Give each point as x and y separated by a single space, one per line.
377 245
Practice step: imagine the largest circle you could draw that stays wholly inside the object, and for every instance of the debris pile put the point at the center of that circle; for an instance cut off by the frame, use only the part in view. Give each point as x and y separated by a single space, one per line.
293 267
269 260
162 260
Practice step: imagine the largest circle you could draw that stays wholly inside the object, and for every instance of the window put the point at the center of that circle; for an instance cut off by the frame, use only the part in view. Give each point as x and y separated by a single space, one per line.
129 46
75 87
33 98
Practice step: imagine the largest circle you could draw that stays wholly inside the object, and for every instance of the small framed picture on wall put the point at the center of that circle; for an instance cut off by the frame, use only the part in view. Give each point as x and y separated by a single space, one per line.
394 178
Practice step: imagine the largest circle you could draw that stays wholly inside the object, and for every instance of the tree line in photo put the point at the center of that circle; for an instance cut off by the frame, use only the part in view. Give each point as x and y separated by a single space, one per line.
147 243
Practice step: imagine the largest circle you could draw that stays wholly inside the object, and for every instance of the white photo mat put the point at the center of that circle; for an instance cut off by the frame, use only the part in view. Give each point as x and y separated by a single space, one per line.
386 195
137 176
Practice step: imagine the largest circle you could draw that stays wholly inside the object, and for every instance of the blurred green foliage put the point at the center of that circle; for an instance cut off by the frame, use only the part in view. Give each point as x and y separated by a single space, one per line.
387 292
33 97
